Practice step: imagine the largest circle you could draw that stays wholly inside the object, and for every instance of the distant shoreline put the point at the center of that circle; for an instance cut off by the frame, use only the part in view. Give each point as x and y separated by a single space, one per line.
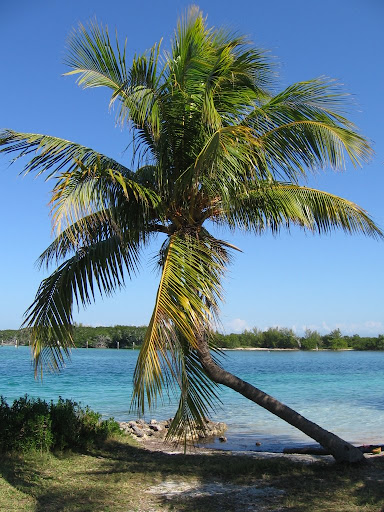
224 349
274 338
265 349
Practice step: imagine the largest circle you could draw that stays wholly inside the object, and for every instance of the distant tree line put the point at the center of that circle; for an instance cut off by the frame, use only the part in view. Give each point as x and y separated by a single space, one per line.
122 336
129 336
276 337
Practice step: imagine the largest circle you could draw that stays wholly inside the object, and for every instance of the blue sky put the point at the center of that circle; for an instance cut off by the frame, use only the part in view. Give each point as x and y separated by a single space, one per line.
295 280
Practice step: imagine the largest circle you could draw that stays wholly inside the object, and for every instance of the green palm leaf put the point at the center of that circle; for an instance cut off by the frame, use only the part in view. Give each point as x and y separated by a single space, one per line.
90 54
277 205
55 154
82 192
91 230
100 266
198 396
186 306
303 127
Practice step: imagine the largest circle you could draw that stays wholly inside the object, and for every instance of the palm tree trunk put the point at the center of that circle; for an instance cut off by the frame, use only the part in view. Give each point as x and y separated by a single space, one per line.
340 449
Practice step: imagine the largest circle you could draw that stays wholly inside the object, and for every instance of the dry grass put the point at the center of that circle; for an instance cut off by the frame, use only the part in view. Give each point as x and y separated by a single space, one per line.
125 477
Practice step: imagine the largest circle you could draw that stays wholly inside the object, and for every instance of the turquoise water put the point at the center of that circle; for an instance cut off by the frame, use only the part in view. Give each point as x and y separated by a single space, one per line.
341 391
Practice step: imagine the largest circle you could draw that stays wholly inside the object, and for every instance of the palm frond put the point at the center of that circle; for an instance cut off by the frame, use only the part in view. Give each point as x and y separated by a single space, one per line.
87 190
100 266
225 166
186 305
320 96
91 55
311 144
198 396
92 229
303 128
279 205
205 59
54 154
101 63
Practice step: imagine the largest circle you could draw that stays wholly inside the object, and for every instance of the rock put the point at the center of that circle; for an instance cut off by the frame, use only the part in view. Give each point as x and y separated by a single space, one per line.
158 429
137 431
222 439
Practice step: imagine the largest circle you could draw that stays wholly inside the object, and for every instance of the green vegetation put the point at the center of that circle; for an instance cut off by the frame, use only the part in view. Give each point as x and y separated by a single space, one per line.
312 340
33 424
117 476
272 338
129 336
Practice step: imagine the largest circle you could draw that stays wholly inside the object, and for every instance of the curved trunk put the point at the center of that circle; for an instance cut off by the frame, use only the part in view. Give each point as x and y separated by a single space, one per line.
340 449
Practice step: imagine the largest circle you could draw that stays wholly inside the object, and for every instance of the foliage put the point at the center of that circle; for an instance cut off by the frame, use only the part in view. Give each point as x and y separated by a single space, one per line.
282 338
338 344
328 339
311 340
13 336
33 424
128 336
108 337
279 338
365 343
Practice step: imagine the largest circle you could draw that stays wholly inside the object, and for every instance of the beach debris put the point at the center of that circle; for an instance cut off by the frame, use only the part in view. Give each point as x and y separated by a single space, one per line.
319 450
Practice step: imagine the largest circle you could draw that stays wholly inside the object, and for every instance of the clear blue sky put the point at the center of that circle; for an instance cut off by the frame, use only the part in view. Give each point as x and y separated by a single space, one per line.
296 280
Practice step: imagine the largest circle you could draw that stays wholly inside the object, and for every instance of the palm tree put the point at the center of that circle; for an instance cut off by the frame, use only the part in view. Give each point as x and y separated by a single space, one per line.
212 146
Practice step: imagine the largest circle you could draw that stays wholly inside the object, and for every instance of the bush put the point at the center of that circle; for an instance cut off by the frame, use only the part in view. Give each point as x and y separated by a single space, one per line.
308 344
338 344
276 337
33 424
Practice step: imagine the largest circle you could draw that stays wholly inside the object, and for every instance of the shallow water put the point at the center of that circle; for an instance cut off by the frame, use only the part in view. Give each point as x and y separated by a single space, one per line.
341 391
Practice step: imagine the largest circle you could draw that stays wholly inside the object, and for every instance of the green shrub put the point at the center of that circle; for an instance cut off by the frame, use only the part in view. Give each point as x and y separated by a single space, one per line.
33 424
338 344
308 344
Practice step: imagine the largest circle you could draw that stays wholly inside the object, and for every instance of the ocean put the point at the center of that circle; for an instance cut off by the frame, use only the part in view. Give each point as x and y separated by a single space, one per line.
341 391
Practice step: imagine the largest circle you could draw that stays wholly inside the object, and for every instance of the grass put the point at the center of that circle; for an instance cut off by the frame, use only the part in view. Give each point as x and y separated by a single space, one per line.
116 478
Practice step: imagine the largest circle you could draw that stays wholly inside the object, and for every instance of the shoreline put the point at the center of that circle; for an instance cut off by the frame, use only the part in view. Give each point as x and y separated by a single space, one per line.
224 349
152 436
265 349
157 446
